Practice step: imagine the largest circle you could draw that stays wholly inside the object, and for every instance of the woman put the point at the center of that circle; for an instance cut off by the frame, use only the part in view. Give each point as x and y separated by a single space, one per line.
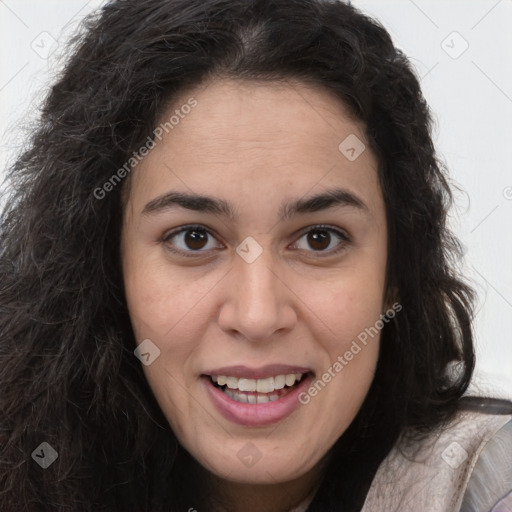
227 279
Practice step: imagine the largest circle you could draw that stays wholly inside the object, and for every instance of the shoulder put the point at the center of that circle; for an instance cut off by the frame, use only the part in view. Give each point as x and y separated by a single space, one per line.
490 485
465 463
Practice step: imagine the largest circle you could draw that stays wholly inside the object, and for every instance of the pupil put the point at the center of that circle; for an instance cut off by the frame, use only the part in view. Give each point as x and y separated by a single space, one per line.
195 239
317 239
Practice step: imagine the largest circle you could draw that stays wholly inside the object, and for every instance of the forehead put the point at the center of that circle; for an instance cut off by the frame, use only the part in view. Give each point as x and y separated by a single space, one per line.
281 117
257 138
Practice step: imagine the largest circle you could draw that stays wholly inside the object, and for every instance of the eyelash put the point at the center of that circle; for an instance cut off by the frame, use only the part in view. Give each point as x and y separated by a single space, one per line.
345 239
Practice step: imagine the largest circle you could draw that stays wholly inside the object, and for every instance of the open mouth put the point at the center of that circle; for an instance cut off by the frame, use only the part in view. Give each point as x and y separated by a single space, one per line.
257 391
256 397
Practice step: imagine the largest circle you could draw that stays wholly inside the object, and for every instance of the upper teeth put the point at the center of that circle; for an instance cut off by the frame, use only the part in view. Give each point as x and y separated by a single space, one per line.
260 385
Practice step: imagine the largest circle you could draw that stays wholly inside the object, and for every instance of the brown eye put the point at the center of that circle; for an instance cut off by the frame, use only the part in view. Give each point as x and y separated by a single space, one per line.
323 240
195 239
319 239
189 240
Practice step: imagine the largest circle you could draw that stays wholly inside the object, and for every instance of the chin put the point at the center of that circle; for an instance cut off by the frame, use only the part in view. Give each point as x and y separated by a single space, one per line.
253 468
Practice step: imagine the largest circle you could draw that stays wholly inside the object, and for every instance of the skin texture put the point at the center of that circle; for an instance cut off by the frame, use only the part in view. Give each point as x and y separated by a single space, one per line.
256 145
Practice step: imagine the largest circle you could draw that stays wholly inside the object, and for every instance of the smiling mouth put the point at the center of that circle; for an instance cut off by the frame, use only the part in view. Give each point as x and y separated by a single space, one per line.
257 391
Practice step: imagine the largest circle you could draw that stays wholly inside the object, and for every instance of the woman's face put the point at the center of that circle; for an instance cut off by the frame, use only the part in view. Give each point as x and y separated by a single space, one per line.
234 274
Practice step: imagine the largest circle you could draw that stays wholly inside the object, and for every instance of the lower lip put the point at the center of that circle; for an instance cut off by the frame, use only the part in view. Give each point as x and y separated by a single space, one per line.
256 415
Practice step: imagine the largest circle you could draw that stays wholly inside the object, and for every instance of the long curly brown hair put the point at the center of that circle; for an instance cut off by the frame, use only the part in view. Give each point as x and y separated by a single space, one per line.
68 375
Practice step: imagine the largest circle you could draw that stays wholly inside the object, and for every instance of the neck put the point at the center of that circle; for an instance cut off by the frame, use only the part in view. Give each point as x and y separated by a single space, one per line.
292 496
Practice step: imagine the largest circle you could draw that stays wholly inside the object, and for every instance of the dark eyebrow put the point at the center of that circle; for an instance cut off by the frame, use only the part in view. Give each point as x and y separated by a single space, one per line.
190 202
220 207
328 199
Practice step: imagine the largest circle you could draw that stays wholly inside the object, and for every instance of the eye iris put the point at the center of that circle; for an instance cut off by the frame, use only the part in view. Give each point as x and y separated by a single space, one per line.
317 239
195 239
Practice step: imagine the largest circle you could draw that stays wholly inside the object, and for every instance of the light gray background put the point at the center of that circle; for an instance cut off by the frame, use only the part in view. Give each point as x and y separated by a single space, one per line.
462 50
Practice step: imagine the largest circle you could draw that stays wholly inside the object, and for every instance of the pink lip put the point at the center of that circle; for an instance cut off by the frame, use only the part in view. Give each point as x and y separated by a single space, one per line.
256 415
244 372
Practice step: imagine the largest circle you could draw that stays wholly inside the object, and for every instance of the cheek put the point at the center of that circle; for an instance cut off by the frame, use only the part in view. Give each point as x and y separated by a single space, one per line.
347 305
350 342
157 296
347 311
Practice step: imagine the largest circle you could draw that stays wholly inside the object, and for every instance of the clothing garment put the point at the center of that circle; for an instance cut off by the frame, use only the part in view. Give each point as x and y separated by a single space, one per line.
464 467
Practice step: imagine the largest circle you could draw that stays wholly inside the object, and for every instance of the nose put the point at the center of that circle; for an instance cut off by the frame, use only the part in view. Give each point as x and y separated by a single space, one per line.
259 304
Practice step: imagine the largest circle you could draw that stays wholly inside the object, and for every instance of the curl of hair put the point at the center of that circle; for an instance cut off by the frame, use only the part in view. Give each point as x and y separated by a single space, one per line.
68 375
